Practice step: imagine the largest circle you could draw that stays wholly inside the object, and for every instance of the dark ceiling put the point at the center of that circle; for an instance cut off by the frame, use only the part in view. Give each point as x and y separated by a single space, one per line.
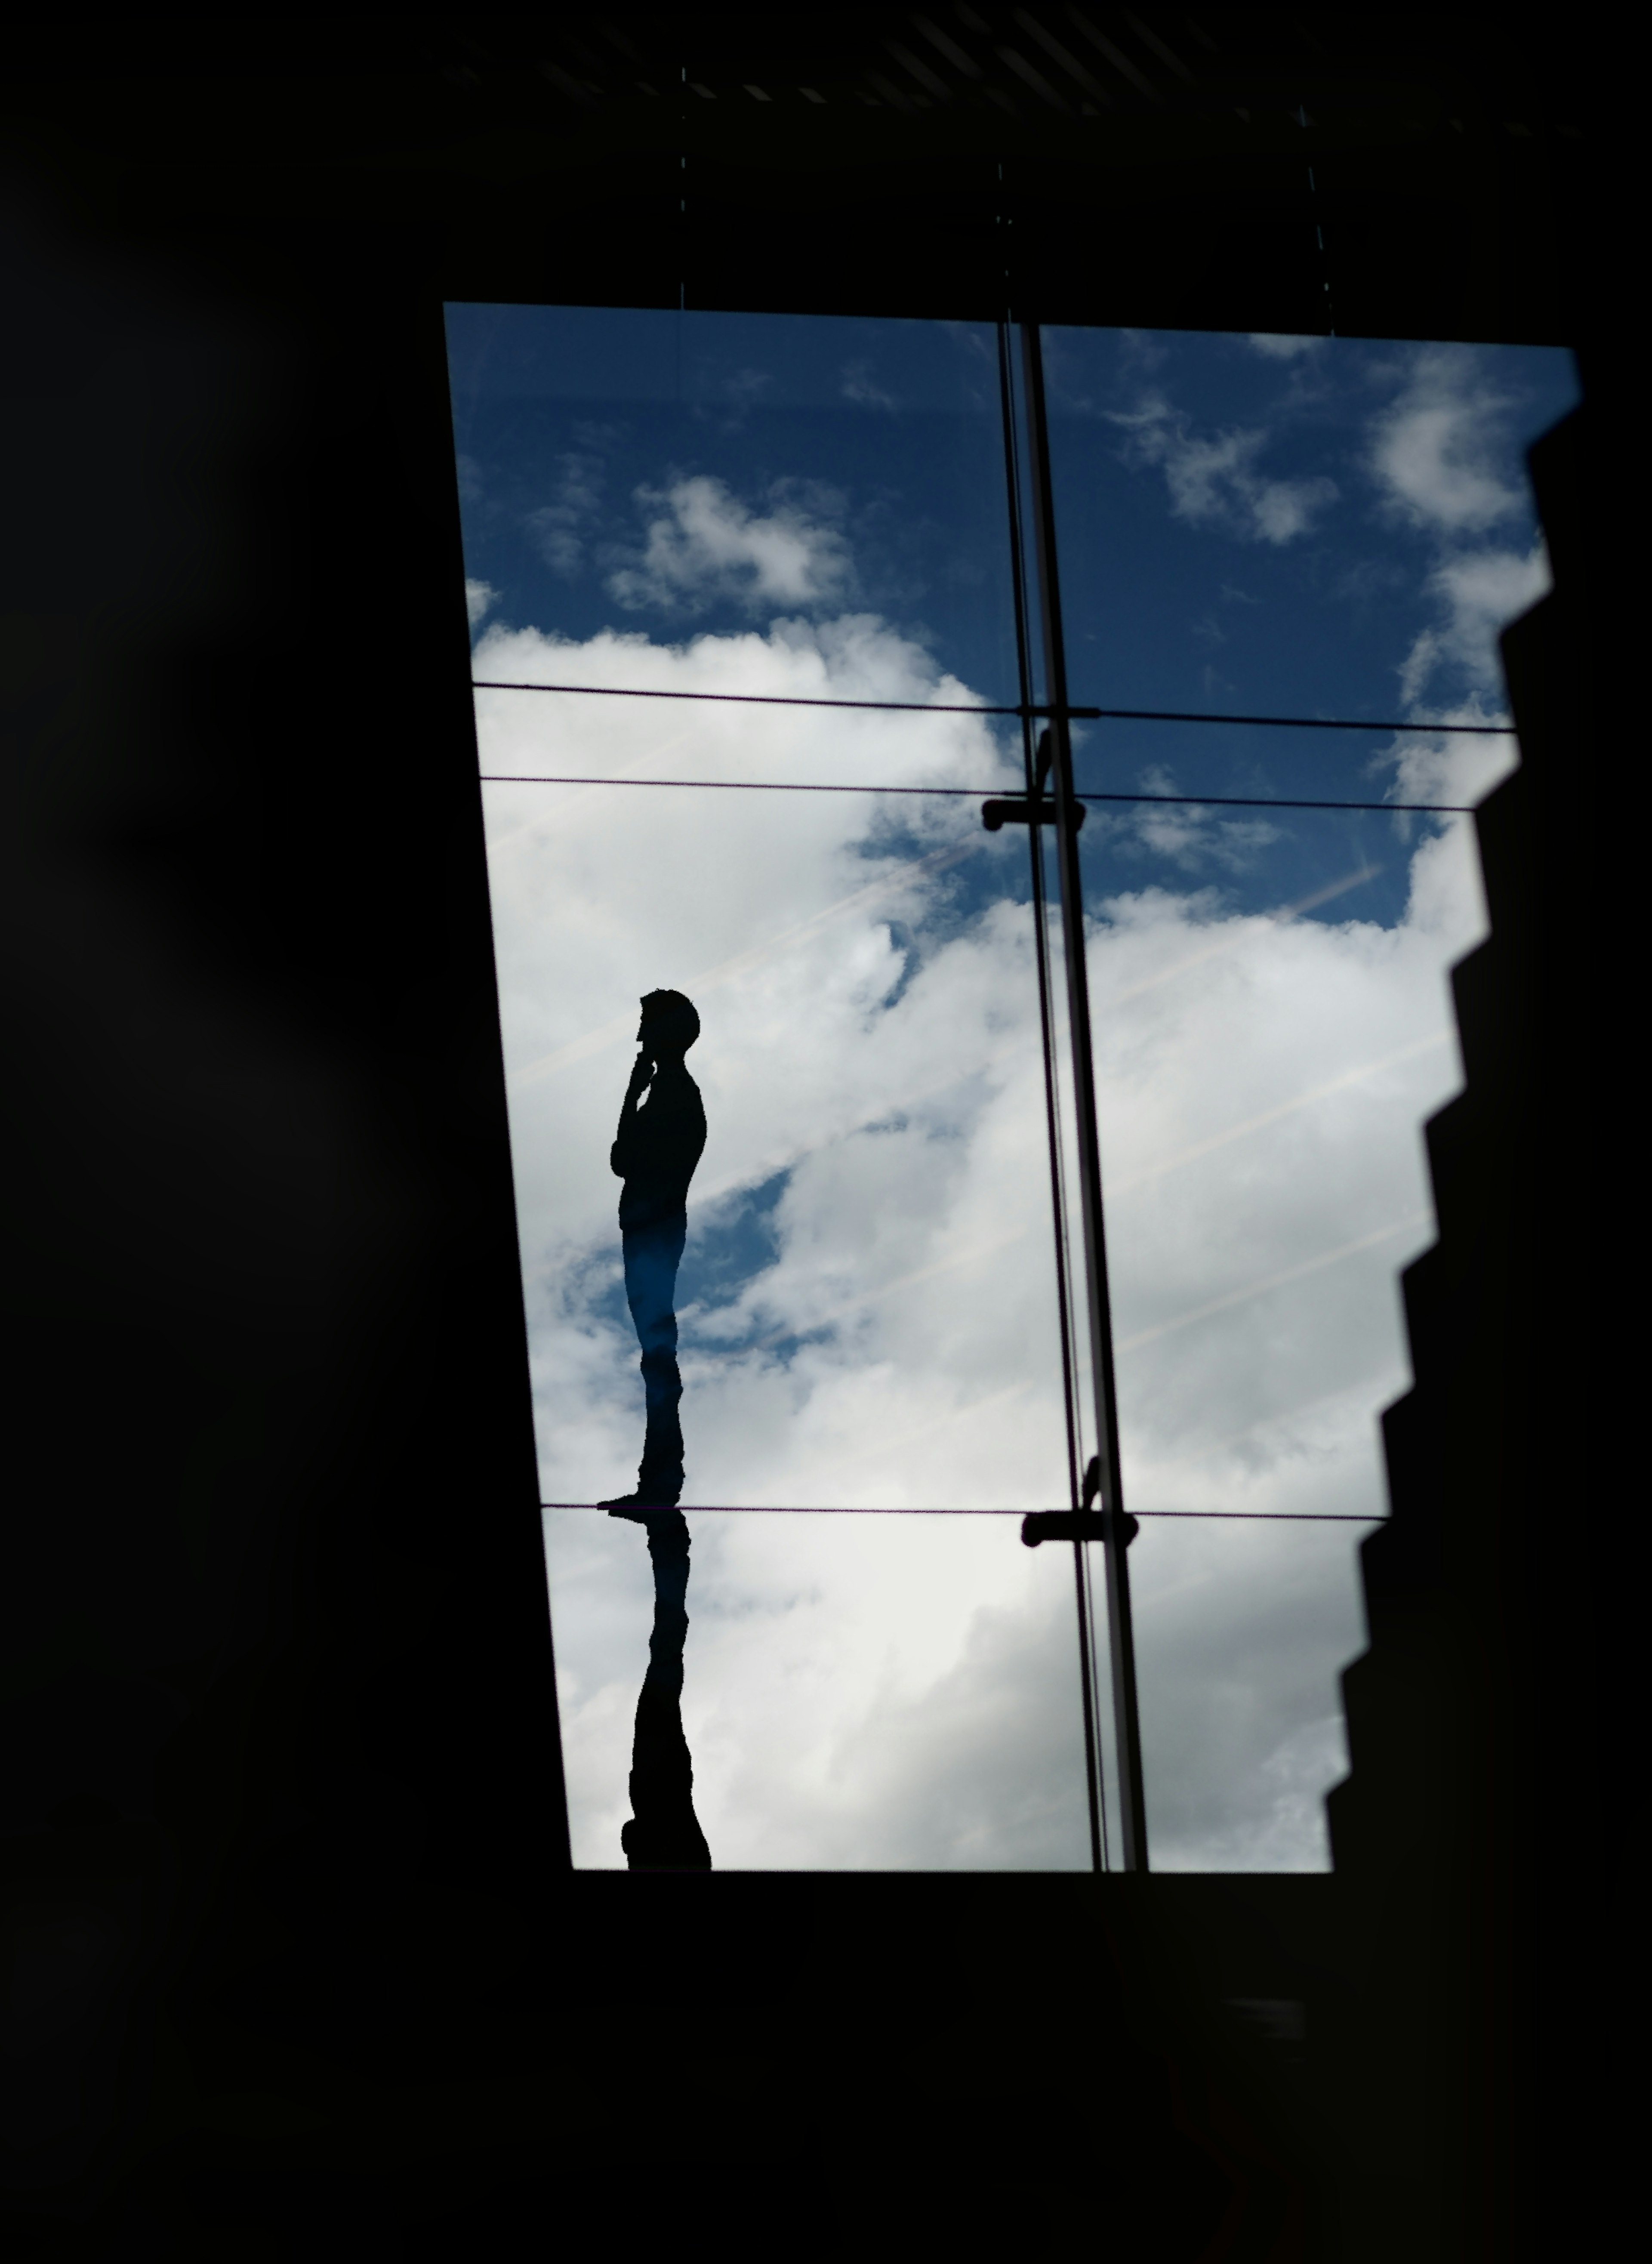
1383 173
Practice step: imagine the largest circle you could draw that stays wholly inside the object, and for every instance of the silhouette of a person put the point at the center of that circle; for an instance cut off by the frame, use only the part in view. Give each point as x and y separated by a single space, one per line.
661 1136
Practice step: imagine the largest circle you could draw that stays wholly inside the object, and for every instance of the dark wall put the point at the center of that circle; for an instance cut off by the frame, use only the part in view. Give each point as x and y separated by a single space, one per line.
275 1640
1478 1837
298 1968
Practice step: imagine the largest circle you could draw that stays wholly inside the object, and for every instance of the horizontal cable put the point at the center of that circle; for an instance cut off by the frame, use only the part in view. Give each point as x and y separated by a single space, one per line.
977 707
1283 723
981 793
786 699
844 1509
1265 801
1270 1516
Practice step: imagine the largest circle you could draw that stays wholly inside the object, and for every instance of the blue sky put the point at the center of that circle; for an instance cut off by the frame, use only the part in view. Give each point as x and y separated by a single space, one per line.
795 505
1262 526
870 437
1257 525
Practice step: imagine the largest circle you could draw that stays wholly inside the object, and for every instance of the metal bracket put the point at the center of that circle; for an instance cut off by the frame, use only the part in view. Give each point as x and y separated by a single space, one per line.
1086 1523
1018 809
1039 1525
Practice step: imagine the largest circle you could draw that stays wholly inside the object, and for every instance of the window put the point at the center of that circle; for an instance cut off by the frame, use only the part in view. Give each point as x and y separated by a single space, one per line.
796 573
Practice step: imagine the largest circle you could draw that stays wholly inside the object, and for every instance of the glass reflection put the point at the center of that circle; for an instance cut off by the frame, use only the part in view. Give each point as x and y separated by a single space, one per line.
1294 526
659 1140
1272 1026
1242 1630
851 1304
855 1295
628 472
865 1295
865 1303
863 1693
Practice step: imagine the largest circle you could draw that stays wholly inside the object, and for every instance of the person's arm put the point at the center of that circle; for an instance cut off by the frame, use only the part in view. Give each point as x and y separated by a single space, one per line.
641 1075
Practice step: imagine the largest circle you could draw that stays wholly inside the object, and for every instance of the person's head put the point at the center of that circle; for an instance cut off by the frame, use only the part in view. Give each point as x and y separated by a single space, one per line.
670 1025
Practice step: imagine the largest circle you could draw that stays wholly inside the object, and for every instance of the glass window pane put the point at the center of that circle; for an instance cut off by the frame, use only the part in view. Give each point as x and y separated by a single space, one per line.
864 1303
657 476
1326 526
862 1693
866 1293
1271 1027
1274 527
1242 1630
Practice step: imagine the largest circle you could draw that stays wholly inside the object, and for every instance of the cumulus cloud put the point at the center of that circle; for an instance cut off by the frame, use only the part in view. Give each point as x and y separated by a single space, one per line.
1214 478
1476 594
868 1314
1447 766
865 1693
480 599
1435 451
704 544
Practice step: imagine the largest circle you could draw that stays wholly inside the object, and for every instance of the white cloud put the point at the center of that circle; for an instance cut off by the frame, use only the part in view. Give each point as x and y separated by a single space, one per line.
704 544
859 386
1434 449
1437 454
1282 345
1187 834
1477 594
480 599
559 527
1448 766
1215 478
863 1693
901 1691
1277 1804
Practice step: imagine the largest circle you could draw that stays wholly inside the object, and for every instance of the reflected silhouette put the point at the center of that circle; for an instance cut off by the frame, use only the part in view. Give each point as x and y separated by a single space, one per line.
661 1134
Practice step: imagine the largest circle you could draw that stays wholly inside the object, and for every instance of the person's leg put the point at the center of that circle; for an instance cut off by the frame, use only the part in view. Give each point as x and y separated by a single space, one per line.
652 1255
663 1833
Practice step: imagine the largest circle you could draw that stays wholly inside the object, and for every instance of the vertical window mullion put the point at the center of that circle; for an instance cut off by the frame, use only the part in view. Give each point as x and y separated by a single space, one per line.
1106 1469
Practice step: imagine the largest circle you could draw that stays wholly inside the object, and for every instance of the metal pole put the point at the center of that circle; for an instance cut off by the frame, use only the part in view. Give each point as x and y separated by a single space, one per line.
1131 1801
1046 1032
